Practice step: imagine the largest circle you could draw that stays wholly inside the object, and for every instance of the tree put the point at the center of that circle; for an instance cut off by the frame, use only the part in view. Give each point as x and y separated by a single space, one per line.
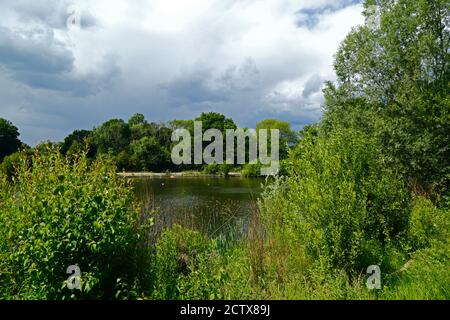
182 124
164 136
148 155
393 81
213 120
9 138
78 140
136 119
288 137
112 137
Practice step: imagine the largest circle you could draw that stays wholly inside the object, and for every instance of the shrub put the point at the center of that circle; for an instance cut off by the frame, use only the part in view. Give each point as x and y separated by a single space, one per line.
254 170
425 277
190 266
183 265
251 170
428 224
340 201
59 212
221 169
7 167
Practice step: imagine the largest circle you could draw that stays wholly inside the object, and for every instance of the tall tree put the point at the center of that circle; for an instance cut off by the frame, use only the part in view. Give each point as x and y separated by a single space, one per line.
78 140
9 138
288 137
112 137
147 154
136 119
213 120
393 82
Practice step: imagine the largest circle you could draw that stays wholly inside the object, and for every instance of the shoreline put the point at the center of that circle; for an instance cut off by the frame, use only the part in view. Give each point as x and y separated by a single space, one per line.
174 175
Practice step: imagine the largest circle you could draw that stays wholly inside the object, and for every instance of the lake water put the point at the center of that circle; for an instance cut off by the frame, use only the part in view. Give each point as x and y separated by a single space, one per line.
213 205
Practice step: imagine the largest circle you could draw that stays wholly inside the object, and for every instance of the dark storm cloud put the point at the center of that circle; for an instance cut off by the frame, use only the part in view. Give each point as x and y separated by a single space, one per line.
193 88
37 59
313 85
35 51
52 13
205 88
246 59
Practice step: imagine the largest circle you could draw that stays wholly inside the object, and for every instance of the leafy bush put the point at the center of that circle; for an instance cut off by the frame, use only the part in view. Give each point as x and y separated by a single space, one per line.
425 277
9 164
221 169
184 265
190 266
340 200
59 212
251 170
428 224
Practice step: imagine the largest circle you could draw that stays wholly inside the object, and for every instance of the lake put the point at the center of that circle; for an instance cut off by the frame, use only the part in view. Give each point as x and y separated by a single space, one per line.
215 206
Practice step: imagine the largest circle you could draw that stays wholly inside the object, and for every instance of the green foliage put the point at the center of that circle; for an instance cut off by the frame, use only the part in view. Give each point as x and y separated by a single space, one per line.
137 120
340 199
212 120
112 137
78 141
425 277
345 202
393 82
9 138
288 137
251 170
190 266
139 145
428 224
10 163
181 263
220 169
183 124
147 154
59 212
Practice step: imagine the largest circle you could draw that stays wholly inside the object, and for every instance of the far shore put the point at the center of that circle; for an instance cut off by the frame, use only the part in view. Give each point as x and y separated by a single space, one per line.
173 174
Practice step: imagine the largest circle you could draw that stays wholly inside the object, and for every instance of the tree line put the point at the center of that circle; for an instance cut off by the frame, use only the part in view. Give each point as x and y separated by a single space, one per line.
138 145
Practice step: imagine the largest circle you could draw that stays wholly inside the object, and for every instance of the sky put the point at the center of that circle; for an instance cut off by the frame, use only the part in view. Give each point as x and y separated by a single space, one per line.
67 65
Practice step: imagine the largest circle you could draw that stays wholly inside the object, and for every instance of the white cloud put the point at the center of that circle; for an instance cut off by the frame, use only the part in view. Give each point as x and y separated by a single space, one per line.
249 59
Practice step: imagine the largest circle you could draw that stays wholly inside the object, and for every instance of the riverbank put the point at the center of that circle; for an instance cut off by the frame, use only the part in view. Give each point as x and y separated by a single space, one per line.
174 174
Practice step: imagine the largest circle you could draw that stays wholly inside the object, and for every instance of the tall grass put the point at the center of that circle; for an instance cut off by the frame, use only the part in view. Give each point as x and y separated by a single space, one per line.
59 211
314 233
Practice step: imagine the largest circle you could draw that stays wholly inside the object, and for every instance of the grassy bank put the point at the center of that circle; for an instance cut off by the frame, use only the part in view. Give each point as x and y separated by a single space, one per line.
57 212
315 233
366 186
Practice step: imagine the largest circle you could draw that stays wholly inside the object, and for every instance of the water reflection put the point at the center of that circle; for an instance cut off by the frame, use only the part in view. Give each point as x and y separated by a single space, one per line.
215 206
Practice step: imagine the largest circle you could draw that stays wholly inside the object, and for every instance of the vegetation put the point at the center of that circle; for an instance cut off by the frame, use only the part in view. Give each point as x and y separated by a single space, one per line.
9 139
138 145
393 84
368 185
60 211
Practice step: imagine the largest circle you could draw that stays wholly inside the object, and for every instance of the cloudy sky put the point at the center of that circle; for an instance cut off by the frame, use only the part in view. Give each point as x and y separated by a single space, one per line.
167 59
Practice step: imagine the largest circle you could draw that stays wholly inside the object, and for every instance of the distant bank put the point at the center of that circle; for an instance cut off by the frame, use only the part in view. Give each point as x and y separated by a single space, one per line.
173 174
